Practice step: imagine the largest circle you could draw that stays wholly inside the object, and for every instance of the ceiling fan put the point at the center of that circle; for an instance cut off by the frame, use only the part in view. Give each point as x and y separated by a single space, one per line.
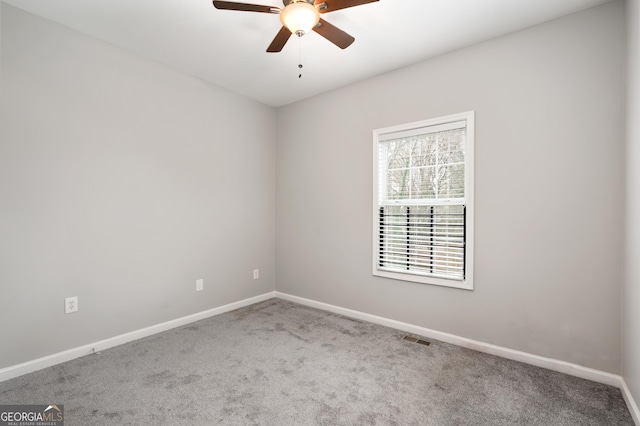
299 17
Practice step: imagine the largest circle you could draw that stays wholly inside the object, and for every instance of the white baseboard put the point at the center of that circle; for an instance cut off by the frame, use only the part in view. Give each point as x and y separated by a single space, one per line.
527 358
631 403
60 357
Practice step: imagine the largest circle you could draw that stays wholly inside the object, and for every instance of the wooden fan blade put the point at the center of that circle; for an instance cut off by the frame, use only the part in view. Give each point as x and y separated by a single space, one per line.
334 34
229 5
325 6
281 39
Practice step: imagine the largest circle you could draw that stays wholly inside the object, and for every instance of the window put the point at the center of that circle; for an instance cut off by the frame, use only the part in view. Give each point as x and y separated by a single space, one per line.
423 201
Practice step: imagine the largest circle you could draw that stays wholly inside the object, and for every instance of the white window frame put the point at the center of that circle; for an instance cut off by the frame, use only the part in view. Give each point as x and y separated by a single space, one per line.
381 134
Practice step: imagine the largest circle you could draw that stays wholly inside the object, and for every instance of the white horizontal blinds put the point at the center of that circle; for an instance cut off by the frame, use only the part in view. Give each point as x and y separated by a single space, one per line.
443 127
427 240
421 178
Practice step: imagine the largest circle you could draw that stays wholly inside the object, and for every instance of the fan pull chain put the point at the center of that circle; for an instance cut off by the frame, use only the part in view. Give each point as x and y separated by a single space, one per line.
300 56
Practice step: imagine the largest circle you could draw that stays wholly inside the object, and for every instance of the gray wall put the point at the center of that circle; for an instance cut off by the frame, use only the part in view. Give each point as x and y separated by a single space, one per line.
549 105
631 297
122 182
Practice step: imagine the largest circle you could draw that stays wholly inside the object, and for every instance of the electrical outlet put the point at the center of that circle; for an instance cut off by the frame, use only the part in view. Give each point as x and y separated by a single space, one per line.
199 284
71 305
256 274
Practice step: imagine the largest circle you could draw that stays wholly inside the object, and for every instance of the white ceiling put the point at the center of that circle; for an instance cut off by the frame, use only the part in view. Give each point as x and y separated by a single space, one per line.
227 48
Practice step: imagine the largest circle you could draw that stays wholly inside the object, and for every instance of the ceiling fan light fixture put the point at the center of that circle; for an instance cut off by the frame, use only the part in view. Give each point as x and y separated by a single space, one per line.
300 17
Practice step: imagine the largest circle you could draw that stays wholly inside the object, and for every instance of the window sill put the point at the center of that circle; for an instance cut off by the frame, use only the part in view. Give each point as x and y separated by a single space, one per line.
421 279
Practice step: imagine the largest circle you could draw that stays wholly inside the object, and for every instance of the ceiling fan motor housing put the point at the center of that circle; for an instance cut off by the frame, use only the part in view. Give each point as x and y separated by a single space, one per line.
287 2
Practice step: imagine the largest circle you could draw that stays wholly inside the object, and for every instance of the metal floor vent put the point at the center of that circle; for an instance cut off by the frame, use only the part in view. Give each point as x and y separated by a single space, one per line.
416 340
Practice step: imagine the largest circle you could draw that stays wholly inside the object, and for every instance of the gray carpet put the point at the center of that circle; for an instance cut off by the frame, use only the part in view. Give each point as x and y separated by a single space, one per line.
279 363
